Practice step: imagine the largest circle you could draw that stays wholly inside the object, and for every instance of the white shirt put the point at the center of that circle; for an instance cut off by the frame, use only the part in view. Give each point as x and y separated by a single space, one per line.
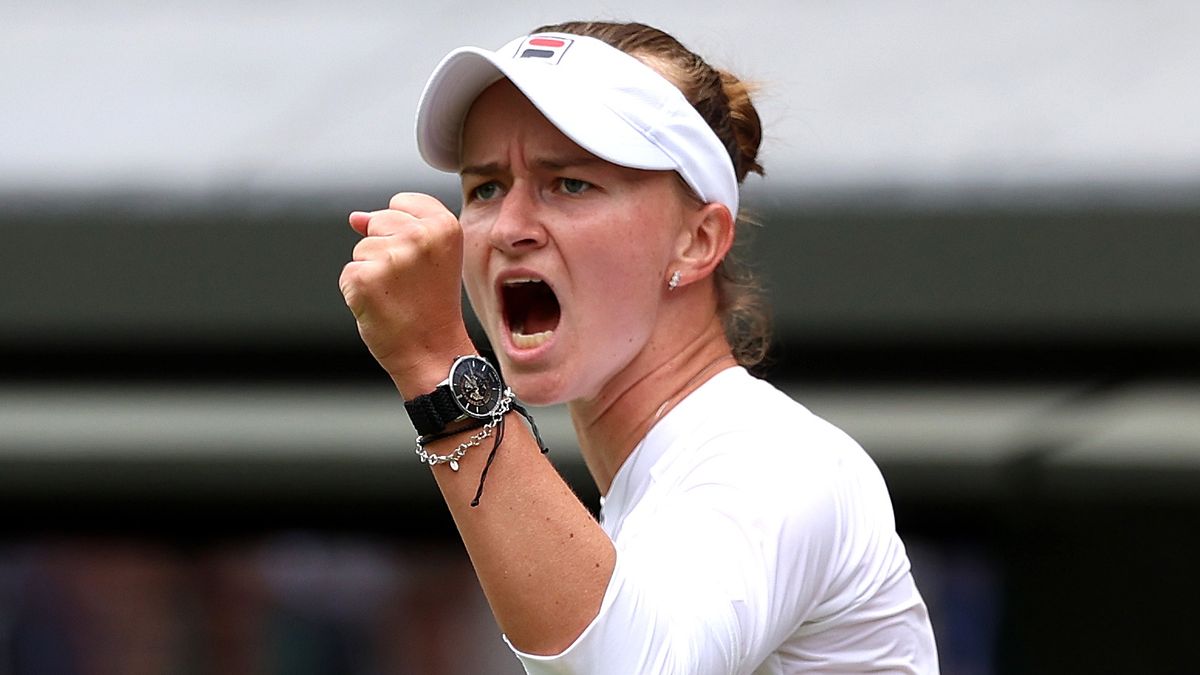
754 538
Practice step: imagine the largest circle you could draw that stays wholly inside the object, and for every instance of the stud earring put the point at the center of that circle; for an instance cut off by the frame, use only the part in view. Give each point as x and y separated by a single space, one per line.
674 282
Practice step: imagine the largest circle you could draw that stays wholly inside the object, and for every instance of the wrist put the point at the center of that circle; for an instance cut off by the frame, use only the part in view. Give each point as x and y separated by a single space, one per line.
416 377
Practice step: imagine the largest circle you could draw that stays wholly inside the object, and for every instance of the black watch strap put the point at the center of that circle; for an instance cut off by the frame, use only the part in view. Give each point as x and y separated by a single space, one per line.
431 413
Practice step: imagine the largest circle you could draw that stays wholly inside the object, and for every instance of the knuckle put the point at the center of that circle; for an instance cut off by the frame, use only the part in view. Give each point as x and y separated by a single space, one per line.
446 221
386 222
349 276
350 284
367 248
402 201
401 257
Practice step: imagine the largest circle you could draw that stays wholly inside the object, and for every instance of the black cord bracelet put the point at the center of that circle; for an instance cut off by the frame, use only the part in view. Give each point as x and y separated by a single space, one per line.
524 412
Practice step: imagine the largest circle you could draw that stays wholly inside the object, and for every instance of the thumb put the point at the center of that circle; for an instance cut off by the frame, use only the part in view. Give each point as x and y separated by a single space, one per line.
359 220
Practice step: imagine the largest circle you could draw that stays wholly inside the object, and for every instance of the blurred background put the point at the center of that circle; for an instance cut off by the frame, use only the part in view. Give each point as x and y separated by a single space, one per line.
980 229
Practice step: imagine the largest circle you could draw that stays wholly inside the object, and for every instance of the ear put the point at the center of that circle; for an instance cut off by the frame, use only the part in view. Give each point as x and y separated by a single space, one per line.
703 243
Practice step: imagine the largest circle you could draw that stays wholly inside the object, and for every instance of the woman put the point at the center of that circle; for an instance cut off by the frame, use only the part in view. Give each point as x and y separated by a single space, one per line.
739 533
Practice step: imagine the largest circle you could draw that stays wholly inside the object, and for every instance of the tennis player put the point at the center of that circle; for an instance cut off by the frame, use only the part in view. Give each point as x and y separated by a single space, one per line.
738 533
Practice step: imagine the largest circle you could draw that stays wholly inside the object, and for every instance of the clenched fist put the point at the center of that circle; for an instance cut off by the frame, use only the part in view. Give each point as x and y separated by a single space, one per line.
403 286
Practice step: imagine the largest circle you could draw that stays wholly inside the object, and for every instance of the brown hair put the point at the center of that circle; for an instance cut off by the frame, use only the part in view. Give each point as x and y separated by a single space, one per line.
724 102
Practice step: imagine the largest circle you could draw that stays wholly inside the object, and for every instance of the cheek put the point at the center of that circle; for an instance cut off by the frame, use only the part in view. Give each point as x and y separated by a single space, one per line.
633 253
622 268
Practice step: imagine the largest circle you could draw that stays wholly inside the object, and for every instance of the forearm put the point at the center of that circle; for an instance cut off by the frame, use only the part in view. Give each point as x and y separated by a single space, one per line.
542 560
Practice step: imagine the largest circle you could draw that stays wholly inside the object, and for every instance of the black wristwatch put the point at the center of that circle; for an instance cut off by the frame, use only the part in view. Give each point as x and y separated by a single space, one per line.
469 396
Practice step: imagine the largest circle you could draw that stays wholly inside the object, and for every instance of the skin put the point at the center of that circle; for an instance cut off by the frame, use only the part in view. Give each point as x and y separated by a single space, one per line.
607 239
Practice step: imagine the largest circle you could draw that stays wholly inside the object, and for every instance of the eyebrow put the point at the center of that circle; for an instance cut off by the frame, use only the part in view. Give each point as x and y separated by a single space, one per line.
546 163
489 169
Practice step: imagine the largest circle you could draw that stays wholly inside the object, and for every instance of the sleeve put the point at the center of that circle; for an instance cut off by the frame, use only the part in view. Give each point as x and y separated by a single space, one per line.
722 570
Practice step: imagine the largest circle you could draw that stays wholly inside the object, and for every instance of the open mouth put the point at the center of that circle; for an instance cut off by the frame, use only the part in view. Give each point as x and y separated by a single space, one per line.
531 311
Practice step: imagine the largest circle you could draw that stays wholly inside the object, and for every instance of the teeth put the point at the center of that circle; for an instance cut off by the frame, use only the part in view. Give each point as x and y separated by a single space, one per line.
515 282
523 341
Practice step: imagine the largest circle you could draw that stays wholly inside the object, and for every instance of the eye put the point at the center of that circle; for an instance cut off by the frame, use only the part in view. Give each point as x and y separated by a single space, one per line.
486 191
574 186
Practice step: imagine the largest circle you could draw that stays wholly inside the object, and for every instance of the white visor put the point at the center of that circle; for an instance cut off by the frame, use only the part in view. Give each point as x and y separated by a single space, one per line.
606 101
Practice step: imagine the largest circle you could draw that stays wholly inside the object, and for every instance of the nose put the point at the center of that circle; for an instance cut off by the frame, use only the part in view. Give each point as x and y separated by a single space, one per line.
518 227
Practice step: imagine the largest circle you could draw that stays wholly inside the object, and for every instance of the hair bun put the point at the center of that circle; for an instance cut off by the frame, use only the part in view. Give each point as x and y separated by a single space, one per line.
747 127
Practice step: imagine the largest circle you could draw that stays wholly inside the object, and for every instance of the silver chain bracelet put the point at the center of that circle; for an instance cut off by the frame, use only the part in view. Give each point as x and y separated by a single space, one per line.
476 439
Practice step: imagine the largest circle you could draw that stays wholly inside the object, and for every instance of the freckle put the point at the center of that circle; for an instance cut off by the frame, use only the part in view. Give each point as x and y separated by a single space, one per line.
597 565
572 535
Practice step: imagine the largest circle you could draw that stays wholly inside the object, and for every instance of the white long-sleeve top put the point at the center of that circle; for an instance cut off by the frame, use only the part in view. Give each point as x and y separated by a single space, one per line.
752 538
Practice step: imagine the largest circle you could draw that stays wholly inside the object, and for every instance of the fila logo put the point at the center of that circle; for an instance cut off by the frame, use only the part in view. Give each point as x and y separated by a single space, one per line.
544 48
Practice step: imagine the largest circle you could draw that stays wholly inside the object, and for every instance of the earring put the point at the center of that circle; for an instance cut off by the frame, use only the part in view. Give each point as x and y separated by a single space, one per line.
674 282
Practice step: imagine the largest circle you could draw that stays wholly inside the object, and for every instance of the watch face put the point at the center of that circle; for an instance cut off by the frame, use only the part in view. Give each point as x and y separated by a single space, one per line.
476 386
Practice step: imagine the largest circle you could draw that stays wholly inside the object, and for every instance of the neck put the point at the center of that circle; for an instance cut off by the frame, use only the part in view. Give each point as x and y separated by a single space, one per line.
611 425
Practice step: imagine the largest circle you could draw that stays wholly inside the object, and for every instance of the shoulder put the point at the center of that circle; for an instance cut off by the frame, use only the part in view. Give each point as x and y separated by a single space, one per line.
750 469
760 451
740 419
